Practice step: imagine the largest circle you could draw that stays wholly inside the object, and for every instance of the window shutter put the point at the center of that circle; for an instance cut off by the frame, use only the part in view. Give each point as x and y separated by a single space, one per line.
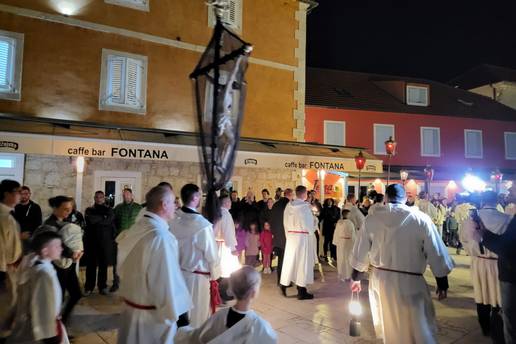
6 63
134 79
116 70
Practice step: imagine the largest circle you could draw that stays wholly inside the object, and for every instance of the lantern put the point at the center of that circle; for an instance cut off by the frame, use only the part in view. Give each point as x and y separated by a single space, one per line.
360 161
355 310
496 177
390 146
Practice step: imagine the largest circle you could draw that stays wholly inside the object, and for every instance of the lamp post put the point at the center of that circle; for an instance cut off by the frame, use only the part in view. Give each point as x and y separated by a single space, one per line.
403 177
429 175
390 149
360 161
496 177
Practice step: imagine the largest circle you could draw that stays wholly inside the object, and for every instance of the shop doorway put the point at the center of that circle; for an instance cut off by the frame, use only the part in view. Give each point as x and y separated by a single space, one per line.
114 182
11 166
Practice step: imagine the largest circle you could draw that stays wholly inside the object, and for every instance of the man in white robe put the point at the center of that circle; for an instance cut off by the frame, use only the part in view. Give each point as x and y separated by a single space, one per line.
226 240
399 242
198 254
355 215
10 253
484 270
238 324
299 261
152 286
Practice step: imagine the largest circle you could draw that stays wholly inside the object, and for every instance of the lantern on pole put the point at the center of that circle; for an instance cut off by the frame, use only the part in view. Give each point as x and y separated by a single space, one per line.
390 149
220 88
496 177
360 161
403 176
429 175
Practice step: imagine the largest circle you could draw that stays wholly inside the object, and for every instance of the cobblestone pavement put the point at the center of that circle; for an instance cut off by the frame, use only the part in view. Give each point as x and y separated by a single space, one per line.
322 320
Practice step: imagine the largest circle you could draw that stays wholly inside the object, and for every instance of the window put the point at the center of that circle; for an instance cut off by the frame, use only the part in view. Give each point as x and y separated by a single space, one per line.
335 133
142 5
430 142
510 145
417 95
11 56
123 82
232 18
382 132
473 144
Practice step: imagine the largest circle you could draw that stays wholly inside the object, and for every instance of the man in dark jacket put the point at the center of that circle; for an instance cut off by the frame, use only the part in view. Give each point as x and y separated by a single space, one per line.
278 231
28 215
98 243
499 236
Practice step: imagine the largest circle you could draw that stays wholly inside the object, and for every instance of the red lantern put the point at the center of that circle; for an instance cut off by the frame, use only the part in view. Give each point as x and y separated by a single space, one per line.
390 146
429 173
360 161
497 176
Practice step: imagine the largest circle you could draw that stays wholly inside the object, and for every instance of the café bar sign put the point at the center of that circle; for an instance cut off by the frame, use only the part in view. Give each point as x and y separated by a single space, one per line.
112 149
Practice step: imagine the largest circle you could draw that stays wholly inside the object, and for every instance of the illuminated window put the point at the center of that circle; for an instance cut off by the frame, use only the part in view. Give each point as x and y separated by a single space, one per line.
11 55
123 82
417 95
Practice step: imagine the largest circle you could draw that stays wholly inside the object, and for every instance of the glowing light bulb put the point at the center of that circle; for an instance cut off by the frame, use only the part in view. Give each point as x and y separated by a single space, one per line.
355 308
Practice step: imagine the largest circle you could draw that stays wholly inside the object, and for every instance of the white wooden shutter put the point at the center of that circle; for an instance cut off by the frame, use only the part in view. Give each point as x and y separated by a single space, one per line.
116 79
6 63
133 94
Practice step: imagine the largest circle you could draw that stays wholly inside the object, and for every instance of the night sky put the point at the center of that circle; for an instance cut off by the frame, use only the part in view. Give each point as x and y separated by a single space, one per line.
433 43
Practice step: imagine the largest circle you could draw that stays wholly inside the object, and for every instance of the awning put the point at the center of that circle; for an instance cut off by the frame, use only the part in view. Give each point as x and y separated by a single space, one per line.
60 137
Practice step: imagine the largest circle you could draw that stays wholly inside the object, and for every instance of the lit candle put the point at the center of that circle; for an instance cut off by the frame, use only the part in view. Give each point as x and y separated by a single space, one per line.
355 309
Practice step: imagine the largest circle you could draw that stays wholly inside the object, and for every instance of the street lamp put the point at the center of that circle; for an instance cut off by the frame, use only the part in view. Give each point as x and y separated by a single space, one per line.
390 149
360 161
496 177
403 177
429 175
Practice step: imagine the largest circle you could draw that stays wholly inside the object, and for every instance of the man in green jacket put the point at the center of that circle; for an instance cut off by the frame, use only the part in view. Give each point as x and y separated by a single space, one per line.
125 215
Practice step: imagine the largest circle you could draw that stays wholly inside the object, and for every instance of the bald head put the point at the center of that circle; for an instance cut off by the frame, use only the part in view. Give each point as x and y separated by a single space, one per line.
160 200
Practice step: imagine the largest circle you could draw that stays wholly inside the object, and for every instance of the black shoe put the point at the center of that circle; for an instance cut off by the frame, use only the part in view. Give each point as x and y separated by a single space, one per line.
113 288
302 294
283 290
104 291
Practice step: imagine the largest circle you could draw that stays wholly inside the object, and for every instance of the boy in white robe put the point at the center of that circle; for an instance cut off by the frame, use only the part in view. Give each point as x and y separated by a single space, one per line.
299 261
39 294
344 239
152 286
10 253
399 242
198 254
238 324
226 240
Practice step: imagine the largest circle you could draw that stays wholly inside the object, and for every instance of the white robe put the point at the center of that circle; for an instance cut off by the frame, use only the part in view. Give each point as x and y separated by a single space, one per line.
355 215
251 329
39 302
10 252
428 208
226 241
148 266
494 221
375 207
197 253
299 259
404 239
344 239
484 266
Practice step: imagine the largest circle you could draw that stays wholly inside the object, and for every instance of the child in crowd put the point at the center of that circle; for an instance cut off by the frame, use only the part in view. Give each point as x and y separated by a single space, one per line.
237 324
266 247
39 294
344 239
252 245
241 235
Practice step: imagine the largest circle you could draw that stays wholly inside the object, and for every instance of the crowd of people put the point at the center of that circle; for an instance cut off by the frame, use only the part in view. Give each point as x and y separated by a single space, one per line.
173 268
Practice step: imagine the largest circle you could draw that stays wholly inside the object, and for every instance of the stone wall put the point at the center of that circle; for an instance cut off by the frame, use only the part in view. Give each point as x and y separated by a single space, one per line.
49 176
